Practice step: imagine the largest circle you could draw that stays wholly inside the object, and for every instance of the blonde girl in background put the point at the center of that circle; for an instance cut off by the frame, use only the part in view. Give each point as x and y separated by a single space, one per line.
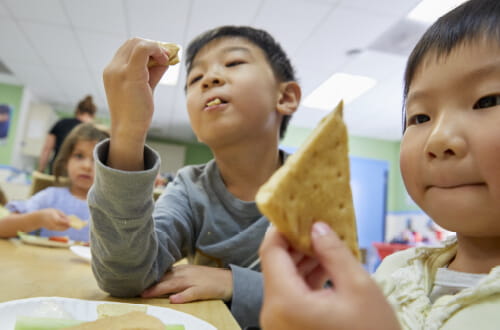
46 213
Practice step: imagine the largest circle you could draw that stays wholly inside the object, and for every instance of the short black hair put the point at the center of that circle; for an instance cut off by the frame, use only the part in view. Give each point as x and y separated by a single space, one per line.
279 61
473 20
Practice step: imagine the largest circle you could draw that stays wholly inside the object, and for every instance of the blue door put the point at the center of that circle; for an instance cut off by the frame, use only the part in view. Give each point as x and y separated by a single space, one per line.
369 190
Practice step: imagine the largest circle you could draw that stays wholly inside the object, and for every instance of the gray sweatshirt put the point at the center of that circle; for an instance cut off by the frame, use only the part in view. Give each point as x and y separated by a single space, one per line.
134 242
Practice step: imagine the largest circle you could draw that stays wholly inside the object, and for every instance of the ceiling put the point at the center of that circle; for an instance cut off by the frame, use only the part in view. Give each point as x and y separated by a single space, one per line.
58 49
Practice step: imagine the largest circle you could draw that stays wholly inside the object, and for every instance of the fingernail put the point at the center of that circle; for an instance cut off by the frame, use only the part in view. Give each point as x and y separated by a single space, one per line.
320 229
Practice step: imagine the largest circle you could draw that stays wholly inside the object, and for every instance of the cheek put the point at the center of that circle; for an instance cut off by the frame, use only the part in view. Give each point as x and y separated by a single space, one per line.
192 108
408 162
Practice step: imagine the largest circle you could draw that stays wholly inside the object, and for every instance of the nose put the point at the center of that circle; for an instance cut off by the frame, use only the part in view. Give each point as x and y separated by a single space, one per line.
212 78
88 162
446 140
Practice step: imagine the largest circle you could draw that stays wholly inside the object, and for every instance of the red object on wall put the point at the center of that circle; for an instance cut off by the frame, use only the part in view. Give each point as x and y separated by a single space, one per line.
385 249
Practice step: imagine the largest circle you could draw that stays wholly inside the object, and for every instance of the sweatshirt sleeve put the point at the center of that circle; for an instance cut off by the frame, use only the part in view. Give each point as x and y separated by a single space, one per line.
247 296
126 255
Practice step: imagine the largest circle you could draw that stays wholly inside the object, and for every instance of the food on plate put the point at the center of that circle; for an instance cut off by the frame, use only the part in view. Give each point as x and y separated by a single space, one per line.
173 53
106 310
53 241
76 222
43 323
132 320
111 316
313 185
62 239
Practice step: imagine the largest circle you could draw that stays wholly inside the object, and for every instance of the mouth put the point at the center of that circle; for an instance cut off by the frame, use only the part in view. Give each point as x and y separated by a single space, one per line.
85 177
457 186
215 101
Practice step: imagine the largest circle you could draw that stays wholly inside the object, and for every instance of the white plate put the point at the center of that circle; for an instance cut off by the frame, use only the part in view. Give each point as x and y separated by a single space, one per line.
85 310
43 241
81 251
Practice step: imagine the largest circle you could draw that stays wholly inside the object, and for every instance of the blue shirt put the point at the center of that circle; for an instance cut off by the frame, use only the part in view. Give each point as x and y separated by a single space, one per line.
59 198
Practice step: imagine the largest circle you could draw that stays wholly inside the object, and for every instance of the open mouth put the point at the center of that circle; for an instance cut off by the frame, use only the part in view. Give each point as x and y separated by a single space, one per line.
215 101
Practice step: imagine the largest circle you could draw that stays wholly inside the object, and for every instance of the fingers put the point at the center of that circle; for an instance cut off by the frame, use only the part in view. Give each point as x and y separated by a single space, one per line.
144 50
306 264
143 53
278 265
133 57
167 285
317 278
342 267
188 295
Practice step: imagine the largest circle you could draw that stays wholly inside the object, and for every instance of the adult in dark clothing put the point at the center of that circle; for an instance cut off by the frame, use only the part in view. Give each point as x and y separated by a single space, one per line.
84 113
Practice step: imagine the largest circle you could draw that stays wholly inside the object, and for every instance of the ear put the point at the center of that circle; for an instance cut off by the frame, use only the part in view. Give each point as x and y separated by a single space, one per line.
288 98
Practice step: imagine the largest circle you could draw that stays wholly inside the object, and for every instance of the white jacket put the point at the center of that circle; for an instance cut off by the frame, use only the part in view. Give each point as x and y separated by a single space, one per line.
407 278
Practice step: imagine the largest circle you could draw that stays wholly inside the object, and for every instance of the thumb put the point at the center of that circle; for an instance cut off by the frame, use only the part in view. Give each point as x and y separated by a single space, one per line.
334 255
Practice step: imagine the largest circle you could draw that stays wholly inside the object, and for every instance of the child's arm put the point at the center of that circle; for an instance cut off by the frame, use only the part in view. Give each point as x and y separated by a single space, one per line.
292 299
129 85
121 207
51 219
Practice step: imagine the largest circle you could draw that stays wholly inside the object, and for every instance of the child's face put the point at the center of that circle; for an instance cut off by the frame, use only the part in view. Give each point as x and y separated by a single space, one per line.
81 165
236 72
450 152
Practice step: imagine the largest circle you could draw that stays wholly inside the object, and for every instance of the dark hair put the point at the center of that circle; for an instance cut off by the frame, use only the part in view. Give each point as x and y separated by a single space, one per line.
3 198
473 20
86 106
276 56
81 132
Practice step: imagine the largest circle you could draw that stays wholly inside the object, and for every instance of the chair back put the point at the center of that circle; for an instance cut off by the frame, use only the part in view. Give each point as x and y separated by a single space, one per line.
40 181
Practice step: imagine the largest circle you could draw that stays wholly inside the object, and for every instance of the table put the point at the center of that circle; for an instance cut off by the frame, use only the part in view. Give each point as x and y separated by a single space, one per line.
36 271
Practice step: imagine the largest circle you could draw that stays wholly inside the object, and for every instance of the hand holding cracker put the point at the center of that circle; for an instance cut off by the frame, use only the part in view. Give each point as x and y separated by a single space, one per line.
313 185
76 222
293 300
173 53
129 80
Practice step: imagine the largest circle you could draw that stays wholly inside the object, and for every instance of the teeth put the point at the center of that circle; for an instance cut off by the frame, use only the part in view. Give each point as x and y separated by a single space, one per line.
214 102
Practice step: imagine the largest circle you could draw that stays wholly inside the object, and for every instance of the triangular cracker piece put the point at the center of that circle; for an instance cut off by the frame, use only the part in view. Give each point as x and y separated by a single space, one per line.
313 185
76 222
173 53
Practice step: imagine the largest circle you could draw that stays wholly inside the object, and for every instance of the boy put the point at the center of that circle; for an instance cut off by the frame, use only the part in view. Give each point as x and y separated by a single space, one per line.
241 92
450 156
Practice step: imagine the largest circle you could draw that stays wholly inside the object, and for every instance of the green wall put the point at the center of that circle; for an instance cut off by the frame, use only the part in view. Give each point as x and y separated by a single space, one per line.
397 199
11 95
196 153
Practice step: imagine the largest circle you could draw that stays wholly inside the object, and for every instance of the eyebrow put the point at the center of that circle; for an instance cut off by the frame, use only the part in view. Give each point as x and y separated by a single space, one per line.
488 69
224 51
485 70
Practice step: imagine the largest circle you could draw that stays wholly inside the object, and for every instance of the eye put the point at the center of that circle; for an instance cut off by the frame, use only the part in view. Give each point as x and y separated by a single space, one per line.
78 155
195 79
234 63
418 119
487 102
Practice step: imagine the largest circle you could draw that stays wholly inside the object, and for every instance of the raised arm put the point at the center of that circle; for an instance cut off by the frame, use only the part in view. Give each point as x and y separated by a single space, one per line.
129 84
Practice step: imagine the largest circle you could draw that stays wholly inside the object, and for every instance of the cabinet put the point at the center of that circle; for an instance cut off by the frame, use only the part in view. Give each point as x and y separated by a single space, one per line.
40 119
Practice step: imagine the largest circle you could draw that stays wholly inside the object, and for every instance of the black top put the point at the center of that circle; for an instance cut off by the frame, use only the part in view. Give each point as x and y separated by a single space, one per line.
61 129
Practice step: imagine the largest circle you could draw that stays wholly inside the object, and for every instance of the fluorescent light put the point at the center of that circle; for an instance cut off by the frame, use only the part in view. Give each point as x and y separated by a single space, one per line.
428 11
339 86
172 75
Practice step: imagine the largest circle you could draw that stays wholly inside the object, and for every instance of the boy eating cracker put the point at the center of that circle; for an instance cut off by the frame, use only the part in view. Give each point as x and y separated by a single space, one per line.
241 92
